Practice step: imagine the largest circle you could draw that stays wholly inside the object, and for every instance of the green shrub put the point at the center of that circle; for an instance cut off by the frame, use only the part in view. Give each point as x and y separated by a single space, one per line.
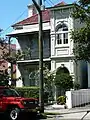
31 92
64 81
61 100
28 91
76 85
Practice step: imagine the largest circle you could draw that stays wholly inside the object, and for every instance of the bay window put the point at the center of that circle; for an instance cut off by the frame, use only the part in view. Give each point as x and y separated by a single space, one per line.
62 34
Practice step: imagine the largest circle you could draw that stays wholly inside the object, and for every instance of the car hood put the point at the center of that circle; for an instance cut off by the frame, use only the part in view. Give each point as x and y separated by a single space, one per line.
21 99
26 99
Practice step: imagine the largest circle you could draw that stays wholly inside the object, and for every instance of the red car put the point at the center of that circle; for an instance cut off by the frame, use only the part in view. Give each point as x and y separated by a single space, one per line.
12 104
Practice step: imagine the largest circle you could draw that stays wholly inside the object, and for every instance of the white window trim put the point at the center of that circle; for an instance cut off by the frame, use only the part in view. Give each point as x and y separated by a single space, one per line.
61 45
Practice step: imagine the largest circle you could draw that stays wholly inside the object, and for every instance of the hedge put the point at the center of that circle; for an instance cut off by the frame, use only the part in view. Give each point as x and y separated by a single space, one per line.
31 92
28 91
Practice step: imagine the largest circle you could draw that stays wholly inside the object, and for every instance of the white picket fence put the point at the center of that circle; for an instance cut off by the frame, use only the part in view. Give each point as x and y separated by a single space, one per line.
77 97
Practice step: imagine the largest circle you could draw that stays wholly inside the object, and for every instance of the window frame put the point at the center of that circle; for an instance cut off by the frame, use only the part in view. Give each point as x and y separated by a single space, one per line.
58 32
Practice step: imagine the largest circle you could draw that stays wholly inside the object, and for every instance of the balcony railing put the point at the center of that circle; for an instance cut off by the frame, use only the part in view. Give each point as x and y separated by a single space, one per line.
34 54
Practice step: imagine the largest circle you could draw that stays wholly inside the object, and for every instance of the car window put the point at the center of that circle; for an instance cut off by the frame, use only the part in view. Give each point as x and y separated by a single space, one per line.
10 93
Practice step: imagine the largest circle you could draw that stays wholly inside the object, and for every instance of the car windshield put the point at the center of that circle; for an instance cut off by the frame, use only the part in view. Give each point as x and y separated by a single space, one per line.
10 93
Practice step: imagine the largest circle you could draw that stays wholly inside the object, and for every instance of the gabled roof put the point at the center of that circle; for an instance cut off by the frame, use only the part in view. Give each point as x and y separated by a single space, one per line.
60 4
34 19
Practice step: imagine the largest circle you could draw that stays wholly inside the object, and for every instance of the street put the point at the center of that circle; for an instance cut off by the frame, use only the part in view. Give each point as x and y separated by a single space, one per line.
22 117
66 116
78 113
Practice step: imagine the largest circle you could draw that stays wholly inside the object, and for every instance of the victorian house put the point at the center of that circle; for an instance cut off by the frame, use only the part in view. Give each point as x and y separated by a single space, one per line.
57 43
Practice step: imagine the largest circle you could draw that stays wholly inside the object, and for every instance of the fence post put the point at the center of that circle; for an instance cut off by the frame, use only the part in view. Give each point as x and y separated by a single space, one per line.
69 99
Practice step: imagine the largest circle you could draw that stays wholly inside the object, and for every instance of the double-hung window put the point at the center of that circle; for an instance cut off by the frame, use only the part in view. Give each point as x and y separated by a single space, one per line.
62 35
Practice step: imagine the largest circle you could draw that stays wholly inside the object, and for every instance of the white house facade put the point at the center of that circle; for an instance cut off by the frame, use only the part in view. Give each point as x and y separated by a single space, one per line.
61 44
57 43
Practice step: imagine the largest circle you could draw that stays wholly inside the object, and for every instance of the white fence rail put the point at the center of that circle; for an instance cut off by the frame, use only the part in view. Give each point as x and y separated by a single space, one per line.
77 97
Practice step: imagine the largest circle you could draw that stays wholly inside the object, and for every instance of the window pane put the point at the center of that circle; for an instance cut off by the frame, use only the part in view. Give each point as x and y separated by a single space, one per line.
60 29
59 40
65 29
65 38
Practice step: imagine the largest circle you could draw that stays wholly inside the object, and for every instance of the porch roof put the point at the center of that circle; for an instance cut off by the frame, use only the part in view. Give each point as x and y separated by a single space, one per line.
29 29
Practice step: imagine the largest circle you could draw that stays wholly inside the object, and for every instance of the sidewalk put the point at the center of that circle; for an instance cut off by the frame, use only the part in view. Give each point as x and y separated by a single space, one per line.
49 109
78 113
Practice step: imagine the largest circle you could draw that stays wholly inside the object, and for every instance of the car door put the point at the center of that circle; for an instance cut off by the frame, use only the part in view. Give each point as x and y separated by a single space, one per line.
1 100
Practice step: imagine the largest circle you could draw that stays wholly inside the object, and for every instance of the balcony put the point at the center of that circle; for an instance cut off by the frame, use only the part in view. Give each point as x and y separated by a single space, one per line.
35 54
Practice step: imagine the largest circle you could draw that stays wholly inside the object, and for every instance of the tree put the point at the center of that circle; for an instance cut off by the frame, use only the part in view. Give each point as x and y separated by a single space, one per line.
63 81
48 82
48 77
60 78
10 56
81 36
4 77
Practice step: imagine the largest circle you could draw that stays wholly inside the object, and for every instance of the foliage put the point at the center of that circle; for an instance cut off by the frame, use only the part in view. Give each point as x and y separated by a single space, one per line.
48 82
64 81
27 53
61 80
10 55
23 54
61 100
81 39
1 30
76 85
19 55
31 92
4 47
28 91
81 36
4 79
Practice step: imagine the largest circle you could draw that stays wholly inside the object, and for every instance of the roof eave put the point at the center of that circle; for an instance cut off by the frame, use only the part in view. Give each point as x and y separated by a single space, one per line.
30 23
16 33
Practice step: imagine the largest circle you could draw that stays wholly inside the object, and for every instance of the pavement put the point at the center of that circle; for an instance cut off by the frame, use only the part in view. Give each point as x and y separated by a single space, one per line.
77 113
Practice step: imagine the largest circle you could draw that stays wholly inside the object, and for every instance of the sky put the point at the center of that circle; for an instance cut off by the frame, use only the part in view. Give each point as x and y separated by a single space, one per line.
12 11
